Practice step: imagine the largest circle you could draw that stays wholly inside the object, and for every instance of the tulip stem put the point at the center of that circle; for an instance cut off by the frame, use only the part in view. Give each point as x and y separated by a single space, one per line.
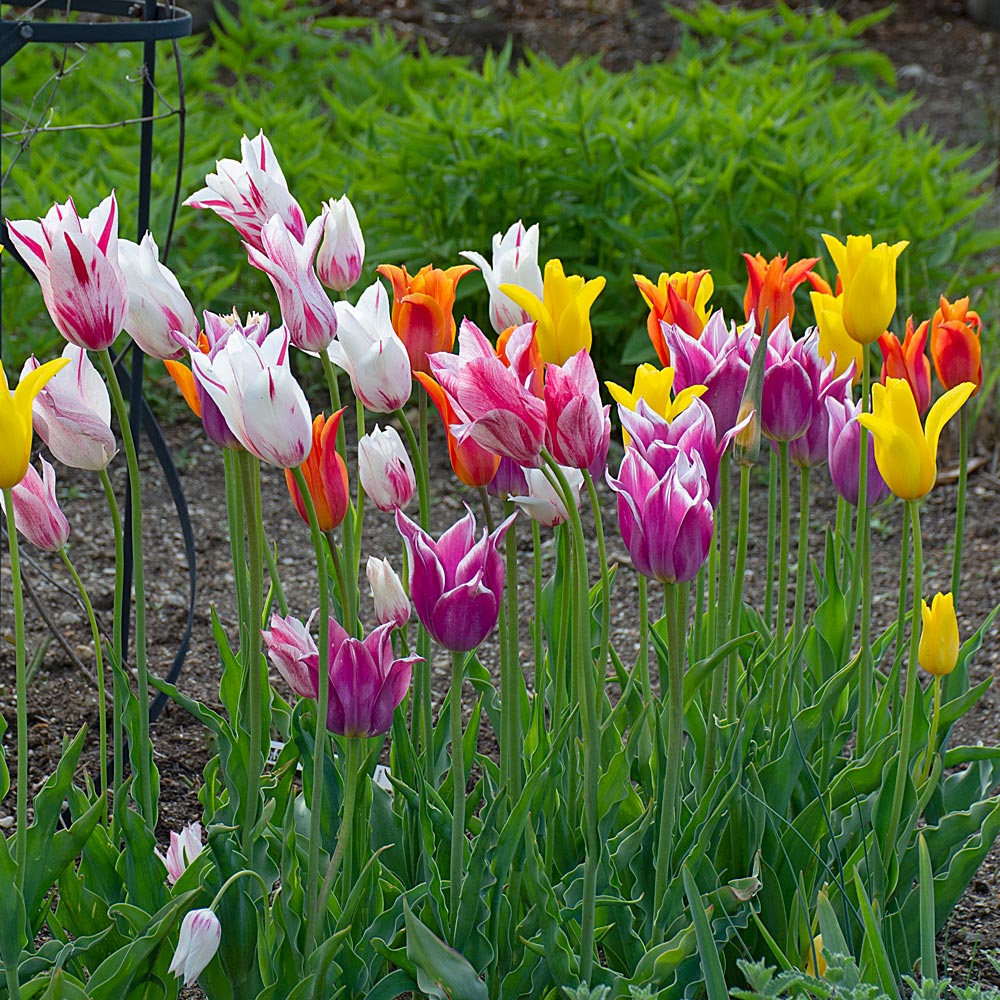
116 628
144 754
351 777
333 383
910 695
323 703
602 554
423 636
785 544
862 568
537 647
925 771
484 499
458 787
21 683
897 659
511 680
963 479
772 517
102 703
802 567
736 606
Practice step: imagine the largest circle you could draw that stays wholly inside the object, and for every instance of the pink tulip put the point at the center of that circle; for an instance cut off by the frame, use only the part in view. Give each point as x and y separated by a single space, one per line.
247 194
786 405
291 649
306 310
342 254
72 413
504 416
664 512
36 510
455 582
197 944
184 848
719 359
385 470
392 606
844 444
368 349
76 263
579 429
811 448
257 396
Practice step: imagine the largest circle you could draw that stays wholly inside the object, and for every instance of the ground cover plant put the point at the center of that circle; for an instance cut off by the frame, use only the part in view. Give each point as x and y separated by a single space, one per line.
751 785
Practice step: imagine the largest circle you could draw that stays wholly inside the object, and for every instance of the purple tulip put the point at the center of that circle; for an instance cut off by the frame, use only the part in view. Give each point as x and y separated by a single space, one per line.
811 448
664 512
455 582
844 443
788 392
36 510
577 423
507 480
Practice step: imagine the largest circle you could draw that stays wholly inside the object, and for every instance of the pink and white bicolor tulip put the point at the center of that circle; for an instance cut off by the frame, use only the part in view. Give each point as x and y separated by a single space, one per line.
306 309
515 262
184 848
72 413
342 253
844 445
292 650
578 426
455 582
36 509
76 263
371 353
197 944
258 397
392 606
385 469
246 194
157 304
542 502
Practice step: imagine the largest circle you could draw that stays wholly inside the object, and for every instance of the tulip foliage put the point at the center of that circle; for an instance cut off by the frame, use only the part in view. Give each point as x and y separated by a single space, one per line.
746 781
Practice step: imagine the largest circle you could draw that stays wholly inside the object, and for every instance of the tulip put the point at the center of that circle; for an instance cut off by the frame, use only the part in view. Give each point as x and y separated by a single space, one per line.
368 349
563 312
156 303
654 385
938 652
36 510
197 944
908 361
771 286
15 419
679 299
868 276
503 416
541 501
577 422
325 474
76 263
664 513
392 606
835 343
291 649
719 360
249 193
812 448
844 452
455 582
72 413
422 309
385 469
906 453
818 967
342 253
515 262
786 404
509 480
256 393
955 345
517 347
184 848
306 310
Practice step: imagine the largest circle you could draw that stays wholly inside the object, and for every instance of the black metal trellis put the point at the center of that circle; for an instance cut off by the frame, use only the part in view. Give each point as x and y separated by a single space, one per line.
148 22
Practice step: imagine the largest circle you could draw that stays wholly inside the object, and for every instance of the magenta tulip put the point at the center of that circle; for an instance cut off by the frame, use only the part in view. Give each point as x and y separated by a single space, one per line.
786 406
455 582
76 263
36 510
811 448
577 423
844 444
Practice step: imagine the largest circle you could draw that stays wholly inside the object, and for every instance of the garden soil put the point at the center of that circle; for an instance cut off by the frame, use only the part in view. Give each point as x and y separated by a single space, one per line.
952 65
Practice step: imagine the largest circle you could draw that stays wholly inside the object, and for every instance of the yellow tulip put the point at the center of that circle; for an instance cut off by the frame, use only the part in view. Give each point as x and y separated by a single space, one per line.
654 385
835 343
563 315
938 652
906 453
868 277
15 420
817 968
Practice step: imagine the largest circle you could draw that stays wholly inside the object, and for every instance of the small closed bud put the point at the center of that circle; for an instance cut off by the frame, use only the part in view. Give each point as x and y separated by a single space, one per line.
392 606
938 651
36 509
342 253
385 469
746 444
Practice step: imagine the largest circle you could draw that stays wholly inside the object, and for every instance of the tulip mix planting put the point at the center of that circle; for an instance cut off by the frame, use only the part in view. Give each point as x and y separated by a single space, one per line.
773 783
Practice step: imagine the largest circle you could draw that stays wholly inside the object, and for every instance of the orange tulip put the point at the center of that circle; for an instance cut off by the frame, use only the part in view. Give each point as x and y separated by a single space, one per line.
422 307
908 361
680 299
325 474
955 346
770 287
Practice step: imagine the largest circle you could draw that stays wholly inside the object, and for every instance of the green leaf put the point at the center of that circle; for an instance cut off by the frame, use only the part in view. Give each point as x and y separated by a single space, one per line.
441 971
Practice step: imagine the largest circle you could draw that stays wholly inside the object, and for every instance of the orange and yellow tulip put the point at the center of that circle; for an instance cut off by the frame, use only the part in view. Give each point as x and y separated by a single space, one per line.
680 299
955 346
771 286
908 360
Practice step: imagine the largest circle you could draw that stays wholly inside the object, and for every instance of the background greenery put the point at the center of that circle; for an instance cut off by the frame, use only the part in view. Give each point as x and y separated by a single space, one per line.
766 129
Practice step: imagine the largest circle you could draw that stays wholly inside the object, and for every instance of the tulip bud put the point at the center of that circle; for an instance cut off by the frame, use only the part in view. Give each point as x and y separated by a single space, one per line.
36 510
542 502
392 606
747 442
385 470
325 474
342 254
199 940
291 649
938 652
184 848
